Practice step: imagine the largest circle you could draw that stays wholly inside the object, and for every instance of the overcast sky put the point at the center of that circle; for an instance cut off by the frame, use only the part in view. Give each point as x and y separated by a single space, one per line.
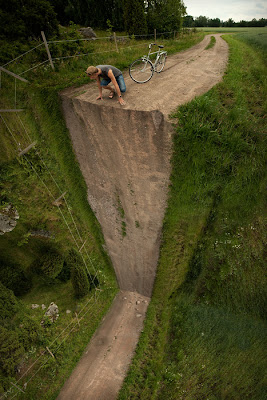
225 9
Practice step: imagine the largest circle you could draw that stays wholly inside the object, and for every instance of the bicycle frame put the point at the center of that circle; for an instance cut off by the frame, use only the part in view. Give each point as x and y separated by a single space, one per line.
158 52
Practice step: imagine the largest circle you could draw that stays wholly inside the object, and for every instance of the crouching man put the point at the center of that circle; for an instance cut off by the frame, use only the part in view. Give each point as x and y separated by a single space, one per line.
104 75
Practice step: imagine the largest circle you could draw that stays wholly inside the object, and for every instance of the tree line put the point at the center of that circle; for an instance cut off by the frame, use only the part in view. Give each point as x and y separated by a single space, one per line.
138 17
202 21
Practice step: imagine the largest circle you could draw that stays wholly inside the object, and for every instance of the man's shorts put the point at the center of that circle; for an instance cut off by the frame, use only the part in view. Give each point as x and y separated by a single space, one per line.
120 81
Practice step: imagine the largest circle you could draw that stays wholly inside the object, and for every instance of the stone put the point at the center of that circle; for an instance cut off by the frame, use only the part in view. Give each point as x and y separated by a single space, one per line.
35 306
87 33
52 312
8 219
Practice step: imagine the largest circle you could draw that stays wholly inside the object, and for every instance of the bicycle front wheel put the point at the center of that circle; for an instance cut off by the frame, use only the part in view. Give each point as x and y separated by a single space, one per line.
161 63
141 70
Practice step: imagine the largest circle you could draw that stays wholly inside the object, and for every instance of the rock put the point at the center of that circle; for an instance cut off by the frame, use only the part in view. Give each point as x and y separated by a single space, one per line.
138 315
87 32
52 312
8 219
43 307
35 306
68 311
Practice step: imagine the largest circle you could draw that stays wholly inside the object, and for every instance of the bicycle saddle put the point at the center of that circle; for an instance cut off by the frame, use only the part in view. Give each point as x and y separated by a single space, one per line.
160 46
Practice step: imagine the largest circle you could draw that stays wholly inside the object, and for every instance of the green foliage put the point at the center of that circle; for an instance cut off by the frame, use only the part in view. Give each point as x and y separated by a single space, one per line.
206 337
8 303
51 263
165 16
134 17
29 332
14 278
27 19
79 277
11 351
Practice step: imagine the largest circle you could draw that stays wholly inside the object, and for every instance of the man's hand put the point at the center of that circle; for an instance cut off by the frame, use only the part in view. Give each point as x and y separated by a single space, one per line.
99 97
121 101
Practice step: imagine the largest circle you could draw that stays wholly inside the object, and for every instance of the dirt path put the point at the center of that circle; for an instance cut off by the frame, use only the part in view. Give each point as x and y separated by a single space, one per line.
124 155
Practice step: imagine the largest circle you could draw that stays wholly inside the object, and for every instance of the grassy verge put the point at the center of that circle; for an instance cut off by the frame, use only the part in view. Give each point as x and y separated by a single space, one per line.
205 332
31 183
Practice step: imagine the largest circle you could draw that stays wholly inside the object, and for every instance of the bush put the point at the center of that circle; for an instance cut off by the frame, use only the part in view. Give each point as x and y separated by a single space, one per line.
8 303
65 273
51 263
29 332
12 276
10 351
79 277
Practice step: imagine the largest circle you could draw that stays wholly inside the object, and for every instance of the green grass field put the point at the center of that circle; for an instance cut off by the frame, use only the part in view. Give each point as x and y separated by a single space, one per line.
205 334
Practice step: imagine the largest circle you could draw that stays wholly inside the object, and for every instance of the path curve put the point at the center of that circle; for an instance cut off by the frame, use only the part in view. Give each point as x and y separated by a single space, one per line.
124 154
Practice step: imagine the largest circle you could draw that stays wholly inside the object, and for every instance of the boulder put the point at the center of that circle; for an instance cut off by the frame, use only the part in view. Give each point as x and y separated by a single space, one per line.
87 33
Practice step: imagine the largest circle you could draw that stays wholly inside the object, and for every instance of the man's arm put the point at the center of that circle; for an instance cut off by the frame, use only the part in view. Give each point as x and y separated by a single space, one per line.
115 83
99 88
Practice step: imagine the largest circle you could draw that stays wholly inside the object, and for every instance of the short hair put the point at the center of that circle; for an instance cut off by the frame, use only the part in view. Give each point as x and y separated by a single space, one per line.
91 70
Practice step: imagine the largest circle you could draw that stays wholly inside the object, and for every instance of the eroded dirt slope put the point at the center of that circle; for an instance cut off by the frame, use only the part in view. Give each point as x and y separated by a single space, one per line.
124 154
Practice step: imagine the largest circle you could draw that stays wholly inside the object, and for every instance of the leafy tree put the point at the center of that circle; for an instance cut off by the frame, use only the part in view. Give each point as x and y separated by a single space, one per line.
14 278
188 21
134 17
8 303
165 15
51 263
215 22
201 21
11 351
27 19
79 277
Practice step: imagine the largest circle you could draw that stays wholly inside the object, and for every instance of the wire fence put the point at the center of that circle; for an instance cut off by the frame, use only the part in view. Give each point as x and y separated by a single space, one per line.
82 248
20 385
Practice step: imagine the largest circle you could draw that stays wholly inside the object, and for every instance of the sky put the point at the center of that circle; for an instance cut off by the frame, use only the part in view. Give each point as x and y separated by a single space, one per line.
224 9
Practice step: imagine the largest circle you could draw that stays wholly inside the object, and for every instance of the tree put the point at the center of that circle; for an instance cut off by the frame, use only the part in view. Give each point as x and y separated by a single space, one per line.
201 21
134 17
14 278
165 15
188 21
215 22
79 277
27 19
10 351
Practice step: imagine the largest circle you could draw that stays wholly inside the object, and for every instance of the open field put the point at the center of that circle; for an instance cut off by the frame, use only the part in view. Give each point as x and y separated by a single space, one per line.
205 334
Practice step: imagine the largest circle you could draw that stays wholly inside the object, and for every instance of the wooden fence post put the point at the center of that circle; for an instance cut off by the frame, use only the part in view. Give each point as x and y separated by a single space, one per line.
47 49
155 35
115 40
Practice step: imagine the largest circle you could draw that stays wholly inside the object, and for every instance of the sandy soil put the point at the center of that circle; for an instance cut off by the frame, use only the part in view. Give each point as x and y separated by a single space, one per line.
124 155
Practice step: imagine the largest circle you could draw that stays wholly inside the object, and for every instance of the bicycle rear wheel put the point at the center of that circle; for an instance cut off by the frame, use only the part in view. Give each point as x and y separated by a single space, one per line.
141 70
161 62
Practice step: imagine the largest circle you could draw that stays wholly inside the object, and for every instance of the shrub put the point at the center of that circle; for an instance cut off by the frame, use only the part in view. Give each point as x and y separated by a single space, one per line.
8 303
51 263
79 277
10 351
29 332
12 276
65 273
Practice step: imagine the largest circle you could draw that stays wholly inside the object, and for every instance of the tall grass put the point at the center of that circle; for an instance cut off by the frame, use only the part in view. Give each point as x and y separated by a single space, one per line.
205 333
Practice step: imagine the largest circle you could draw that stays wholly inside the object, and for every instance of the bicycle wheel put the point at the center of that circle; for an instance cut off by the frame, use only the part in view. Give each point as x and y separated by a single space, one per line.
161 62
141 70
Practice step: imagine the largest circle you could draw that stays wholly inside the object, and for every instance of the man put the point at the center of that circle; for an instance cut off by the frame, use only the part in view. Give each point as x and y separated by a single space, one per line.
108 73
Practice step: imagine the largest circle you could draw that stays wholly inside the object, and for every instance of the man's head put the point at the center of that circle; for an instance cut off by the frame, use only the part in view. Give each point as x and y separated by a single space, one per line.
92 72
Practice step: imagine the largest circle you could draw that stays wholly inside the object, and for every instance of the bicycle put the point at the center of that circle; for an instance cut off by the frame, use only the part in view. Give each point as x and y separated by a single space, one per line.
142 69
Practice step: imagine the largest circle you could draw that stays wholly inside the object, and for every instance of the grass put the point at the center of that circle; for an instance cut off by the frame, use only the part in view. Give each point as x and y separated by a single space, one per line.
211 43
205 332
31 186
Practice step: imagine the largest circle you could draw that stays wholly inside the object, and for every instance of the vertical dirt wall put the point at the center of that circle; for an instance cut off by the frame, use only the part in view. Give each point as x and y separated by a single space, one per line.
124 157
